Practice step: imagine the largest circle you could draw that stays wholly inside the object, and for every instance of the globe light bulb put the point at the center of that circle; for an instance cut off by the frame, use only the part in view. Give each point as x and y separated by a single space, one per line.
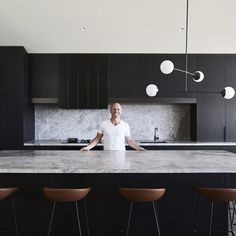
228 92
151 90
167 67
198 76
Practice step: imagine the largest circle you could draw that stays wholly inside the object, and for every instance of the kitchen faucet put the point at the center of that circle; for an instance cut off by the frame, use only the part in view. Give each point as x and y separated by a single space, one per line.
156 135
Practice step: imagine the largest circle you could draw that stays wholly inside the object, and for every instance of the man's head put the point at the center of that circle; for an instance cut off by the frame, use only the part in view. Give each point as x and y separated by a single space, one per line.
115 110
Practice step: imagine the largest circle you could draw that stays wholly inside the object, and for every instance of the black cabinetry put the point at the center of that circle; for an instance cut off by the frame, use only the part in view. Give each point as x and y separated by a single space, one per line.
129 75
83 81
17 115
43 73
210 117
230 110
210 104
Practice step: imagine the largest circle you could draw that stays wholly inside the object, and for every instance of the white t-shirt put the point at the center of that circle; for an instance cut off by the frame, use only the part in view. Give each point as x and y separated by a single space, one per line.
114 135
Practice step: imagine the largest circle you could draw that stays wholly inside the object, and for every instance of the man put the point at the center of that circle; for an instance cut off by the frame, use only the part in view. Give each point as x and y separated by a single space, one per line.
115 131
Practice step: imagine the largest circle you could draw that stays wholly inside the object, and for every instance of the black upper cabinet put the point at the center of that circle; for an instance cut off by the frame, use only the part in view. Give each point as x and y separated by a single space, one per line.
129 76
43 73
149 73
230 110
213 67
123 76
83 81
178 86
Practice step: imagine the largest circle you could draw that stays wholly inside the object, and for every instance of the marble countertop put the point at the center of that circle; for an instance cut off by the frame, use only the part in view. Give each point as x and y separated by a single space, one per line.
147 143
161 161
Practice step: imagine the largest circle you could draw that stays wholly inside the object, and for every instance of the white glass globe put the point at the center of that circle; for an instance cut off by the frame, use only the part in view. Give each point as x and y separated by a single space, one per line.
198 76
151 90
228 92
167 67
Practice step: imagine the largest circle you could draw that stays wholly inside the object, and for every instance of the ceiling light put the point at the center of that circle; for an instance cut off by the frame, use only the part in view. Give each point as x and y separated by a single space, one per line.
167 67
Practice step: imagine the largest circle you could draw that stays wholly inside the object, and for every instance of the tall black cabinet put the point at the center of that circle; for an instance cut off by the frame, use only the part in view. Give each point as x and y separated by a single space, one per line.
16 113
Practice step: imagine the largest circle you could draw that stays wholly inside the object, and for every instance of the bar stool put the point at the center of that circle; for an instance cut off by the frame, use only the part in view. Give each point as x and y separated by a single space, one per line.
5 193
142 195
67 195
223 195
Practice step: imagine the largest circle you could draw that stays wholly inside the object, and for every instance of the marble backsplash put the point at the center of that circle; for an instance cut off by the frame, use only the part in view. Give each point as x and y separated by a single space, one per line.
172 120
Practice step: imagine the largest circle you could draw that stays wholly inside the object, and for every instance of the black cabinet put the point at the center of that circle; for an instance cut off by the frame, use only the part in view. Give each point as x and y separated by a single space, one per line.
211 120
210 117
43 74
123 77
230 110
83 81
213 67
129 75
17 115
178 85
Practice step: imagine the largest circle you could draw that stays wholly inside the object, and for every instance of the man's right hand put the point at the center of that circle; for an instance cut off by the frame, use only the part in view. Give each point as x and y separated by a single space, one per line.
84 149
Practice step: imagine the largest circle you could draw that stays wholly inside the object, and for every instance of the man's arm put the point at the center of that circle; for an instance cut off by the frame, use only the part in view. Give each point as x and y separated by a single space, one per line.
93 143
133 144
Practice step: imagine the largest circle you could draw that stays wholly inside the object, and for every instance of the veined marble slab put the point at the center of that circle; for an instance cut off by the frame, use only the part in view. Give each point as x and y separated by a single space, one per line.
161 161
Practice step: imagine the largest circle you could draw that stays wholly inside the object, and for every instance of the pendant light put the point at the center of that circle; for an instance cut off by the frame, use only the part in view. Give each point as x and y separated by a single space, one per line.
168 67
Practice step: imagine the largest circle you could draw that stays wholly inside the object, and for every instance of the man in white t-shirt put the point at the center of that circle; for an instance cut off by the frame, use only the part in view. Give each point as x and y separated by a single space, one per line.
115 132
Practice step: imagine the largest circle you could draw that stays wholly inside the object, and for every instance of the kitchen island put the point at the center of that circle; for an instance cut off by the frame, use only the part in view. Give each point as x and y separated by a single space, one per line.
176 170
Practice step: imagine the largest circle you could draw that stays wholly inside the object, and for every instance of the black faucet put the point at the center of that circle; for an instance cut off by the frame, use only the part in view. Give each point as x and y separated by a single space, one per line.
156 135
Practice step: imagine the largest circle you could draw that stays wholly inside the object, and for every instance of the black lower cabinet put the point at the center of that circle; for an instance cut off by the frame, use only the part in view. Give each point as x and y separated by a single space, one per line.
108 211
83 81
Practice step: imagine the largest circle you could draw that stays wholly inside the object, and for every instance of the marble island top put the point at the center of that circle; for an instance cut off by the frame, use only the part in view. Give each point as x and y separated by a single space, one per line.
161 161
140 142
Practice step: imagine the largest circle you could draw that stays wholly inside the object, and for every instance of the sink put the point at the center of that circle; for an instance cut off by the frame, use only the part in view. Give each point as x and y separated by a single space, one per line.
150 141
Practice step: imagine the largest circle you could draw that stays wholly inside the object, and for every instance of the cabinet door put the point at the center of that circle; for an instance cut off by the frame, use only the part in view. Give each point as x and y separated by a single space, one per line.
178 86
149 73
83 81
11 121
213 67
210 117
43 74
123 77
212 25
231 104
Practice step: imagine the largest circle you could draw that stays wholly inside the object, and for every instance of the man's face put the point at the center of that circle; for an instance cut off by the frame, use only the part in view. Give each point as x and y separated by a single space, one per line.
116 110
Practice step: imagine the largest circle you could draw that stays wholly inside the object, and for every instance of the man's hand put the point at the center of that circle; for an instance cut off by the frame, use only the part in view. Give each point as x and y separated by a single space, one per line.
141 149
133 144
84 149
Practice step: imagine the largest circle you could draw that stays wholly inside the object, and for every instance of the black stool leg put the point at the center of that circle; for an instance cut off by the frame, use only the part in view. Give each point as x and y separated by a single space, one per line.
197 216
14 213
212 207
52 214
86 215
130 212
156 218
78 220
231 218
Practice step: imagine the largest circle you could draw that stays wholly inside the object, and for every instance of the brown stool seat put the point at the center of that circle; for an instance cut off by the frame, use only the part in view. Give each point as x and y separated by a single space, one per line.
218 194
66 195
142 194
6 192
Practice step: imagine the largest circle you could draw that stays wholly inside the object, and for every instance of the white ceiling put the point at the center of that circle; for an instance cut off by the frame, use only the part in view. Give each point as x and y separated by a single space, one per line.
111 25
118 26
